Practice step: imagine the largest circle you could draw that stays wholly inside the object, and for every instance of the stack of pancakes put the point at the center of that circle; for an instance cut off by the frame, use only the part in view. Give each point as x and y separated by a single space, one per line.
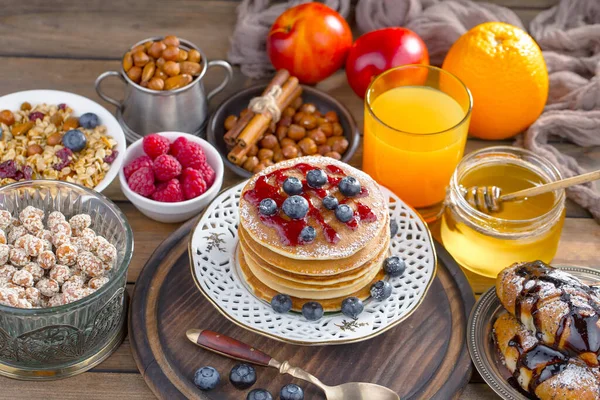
324 270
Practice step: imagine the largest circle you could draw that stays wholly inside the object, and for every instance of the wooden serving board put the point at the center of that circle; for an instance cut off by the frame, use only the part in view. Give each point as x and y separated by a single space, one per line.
425 357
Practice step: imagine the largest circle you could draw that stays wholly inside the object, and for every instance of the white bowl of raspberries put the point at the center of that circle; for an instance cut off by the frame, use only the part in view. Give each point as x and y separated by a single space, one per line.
171 176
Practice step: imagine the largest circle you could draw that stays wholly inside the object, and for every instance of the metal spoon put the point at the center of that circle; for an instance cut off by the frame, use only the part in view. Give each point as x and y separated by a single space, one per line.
490 198
229 347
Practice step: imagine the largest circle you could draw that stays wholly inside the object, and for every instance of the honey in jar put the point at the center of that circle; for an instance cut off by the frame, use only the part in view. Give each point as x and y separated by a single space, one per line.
523 230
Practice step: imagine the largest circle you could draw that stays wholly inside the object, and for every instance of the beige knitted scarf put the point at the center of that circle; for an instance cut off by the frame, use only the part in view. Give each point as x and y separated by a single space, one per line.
568 33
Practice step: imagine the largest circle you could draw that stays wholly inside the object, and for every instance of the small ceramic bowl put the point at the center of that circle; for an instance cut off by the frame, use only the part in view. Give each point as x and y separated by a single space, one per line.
80 105
183 210
236 103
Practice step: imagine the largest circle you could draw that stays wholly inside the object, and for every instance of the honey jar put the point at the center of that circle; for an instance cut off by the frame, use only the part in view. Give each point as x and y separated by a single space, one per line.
523 230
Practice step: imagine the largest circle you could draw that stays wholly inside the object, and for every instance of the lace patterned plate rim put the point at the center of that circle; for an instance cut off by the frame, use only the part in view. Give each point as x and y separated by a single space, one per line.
216 273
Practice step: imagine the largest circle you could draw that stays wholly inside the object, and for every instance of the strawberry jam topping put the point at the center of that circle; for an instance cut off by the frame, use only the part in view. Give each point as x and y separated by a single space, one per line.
289 229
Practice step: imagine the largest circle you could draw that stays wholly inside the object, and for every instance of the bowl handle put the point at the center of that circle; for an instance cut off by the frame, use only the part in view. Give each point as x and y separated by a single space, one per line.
228 76
105 97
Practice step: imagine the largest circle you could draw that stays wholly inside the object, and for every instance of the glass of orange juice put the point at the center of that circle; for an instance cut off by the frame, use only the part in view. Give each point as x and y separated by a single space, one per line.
416 125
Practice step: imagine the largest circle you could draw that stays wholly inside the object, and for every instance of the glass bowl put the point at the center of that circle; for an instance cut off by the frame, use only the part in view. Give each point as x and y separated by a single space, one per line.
56 342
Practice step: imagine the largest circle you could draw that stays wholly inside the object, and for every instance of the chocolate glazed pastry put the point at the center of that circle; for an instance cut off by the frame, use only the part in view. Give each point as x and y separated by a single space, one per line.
557 308
543 372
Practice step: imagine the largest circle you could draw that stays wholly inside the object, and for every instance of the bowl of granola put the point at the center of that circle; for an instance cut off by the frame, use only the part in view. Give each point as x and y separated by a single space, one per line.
64 255
55 135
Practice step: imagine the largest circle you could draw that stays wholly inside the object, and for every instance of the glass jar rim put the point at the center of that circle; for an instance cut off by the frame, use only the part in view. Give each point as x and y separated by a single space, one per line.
119 271
423 66
464 205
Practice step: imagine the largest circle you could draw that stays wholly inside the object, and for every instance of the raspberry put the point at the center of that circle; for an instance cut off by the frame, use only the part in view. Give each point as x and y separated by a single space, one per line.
166 167
191 155
142 181
113 156
193 184
168 192
143 161
155 145
177 145
208 173
8 169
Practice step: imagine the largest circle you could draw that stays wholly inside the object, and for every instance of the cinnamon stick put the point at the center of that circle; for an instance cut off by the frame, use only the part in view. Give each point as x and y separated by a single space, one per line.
260 122
230 137
237 155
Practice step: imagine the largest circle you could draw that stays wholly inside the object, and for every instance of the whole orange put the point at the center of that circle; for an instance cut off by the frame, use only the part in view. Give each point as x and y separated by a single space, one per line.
505 71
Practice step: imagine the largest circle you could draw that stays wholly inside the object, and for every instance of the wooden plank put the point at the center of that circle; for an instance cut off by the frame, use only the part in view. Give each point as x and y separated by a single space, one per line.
97 386
478 391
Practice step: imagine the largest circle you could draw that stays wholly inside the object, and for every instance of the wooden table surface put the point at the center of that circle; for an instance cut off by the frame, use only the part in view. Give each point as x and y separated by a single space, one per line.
66 44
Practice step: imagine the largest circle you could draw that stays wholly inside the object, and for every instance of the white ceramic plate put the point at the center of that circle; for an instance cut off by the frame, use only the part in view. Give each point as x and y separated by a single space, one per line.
217 275
80 105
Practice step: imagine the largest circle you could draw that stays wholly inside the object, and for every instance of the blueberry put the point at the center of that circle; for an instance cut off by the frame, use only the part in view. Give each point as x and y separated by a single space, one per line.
74 140
394 266
393 227
242 376
330 202
207 378
316 178
259 394
344 213
281 303
291 392
312 311
349 186
292 186
267 207
308 234
352 307
89 121
295 207
381 290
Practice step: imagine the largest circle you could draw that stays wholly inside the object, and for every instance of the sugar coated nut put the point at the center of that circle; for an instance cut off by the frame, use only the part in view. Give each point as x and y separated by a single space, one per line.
30 211
54 217
106 252
15 233
79 222
60 273
4 252
48 287
35 270
90 264
98 282
66 254
18 257
34 246
5 219
61 227
46 259
7 271
23 278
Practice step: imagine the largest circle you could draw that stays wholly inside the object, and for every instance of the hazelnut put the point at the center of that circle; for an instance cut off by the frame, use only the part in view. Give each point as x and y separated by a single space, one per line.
265 154
333 154
230 122
318 136
268 142
296 132
308 146
331 116
290 151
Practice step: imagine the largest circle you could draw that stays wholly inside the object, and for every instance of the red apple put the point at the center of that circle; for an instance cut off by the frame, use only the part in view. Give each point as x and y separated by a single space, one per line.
310 40
380 50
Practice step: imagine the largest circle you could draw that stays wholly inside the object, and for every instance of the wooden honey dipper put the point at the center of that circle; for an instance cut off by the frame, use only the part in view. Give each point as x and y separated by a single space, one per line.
490 198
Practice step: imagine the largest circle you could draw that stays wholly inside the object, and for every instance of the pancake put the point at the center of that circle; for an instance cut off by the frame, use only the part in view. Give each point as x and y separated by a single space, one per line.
327 281
335 240
313 291
344 268
265 293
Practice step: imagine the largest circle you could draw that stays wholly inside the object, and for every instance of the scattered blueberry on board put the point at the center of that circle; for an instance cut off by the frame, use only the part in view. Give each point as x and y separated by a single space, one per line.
308 234
89 121
295 207
292 186
344 213
259 394
316 178
267 207
330 202
352 307
393 227
381 290
207 378
281 303
312 311
291 392
394 266
74 140
349 186
242 376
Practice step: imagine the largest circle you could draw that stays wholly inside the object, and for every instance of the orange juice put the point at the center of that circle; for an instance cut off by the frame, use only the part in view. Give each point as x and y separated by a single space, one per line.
413 141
